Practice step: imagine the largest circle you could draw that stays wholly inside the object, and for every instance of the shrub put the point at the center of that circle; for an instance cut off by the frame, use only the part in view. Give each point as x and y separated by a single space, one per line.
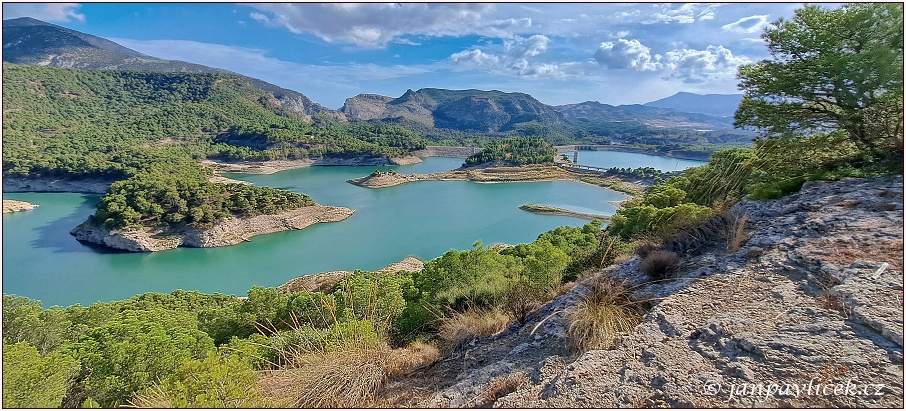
602 316
658 264
33 381
345 378
460 329
646 248
214 382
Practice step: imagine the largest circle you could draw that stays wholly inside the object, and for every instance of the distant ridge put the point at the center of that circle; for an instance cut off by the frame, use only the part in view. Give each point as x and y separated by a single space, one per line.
32 42
720 105
465 110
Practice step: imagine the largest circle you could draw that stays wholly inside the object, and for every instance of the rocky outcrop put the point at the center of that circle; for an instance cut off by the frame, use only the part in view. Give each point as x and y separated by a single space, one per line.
231 231
364 107
447 151
366 161
54 185
12 206
544 209
324 282
383 179
467 110
807 313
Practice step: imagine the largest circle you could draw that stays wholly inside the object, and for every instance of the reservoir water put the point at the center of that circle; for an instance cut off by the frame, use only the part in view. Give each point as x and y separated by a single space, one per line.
41 260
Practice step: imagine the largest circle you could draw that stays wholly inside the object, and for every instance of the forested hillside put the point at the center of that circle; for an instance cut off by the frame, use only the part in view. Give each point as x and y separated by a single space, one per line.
152 128
29 41
519 151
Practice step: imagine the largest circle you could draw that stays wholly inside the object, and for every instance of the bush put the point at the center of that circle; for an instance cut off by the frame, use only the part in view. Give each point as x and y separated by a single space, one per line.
602 316
218 381
659 263
642 250
462 328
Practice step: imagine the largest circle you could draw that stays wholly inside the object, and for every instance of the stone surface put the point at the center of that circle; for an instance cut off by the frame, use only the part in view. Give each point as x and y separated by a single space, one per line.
12 206
324 282
231 231
50 185
802 305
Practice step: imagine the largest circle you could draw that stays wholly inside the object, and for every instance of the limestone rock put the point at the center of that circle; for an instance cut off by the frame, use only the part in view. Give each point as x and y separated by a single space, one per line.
230 231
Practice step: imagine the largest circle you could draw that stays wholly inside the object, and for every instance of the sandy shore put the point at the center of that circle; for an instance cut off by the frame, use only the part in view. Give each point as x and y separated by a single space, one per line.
12 206
548 210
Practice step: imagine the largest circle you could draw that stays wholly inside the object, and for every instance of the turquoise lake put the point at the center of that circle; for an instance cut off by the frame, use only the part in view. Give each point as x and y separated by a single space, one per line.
41 260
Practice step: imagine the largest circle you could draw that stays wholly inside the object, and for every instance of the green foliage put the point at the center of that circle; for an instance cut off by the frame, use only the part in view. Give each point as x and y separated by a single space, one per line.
132 351
840 68
184 196
521 151
377 297
152 128
312 308
33 381
216 381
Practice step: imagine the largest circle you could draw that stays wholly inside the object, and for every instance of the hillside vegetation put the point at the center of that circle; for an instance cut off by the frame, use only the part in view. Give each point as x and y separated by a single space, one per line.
369 340
152 128
519 151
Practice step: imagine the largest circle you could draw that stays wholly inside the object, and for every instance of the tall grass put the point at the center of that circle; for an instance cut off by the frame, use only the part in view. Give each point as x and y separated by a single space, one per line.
341 366
462 328
604 314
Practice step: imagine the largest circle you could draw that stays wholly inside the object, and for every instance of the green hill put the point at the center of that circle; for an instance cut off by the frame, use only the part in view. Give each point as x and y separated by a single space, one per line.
152 128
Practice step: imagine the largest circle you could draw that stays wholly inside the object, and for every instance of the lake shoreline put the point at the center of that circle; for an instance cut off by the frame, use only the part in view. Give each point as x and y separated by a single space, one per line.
501 174
230 231
548 210
679 154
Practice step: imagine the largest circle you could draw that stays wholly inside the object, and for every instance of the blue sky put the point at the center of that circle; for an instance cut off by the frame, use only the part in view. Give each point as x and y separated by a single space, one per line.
615 53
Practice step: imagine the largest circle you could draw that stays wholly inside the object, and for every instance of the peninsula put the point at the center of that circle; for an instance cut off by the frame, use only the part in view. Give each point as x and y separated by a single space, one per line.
229 231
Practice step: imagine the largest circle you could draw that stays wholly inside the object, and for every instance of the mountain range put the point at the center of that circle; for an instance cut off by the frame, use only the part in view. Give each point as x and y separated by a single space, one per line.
28 41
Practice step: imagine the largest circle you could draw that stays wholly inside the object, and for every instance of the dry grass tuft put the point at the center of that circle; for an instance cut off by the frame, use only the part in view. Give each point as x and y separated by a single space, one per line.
737 235
643 249
622 258
565 288
345 378
462 328
403 360
500 386
604 314
658 264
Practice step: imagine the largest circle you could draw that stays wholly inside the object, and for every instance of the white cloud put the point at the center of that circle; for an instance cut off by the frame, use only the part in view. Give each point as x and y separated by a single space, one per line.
627 54
475 57
686 65
259 17
696 66
514 60
685 14
56 12
372 25
530 47
747 25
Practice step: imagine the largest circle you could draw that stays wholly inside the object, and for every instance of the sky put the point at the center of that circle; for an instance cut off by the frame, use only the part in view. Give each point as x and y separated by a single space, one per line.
560 53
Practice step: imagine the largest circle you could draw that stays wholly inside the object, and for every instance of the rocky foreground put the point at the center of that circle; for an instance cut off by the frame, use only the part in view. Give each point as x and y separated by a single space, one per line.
807 313
231 231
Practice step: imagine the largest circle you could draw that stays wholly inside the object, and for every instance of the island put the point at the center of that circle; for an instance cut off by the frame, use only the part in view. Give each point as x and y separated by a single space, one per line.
229 231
